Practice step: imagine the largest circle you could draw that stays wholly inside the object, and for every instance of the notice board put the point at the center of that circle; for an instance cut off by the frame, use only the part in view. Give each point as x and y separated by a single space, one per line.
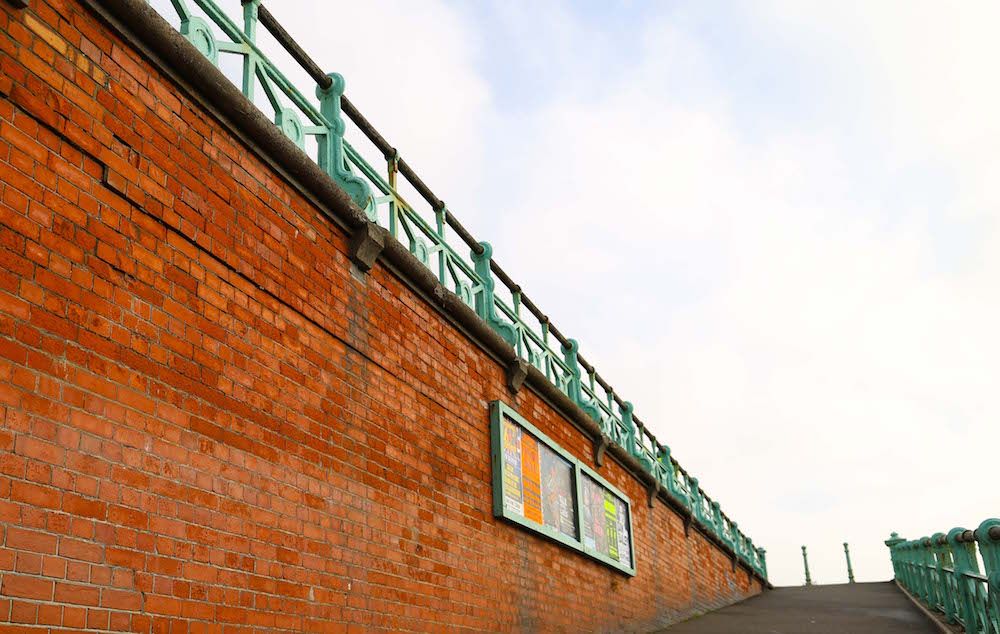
543 488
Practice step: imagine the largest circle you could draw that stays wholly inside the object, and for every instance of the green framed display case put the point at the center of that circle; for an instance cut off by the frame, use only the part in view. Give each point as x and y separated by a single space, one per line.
540 486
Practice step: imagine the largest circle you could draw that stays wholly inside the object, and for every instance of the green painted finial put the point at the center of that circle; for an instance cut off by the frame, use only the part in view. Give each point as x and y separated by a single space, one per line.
850 571
805 561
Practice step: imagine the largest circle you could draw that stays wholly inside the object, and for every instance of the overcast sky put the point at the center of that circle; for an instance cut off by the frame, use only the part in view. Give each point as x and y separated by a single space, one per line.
772 226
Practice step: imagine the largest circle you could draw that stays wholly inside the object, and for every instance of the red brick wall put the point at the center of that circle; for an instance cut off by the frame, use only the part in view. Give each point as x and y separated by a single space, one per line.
205 419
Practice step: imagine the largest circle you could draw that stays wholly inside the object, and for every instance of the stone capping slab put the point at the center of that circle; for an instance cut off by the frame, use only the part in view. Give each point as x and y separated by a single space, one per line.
149 33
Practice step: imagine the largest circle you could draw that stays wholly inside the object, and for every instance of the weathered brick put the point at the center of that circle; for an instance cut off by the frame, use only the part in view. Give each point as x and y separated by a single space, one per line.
26 587
77 594
80 549
35 541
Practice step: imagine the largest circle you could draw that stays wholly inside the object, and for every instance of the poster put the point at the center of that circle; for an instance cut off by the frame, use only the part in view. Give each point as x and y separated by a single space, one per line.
557 492
611 524
624 552
605 522
531 478
513 500
594 523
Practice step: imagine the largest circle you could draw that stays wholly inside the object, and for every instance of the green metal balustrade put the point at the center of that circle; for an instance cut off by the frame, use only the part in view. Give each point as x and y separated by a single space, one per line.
434 236
943 572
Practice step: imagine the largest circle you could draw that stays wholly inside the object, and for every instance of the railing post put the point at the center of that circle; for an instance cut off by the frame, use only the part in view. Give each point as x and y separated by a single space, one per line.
850 571
250 8
486 306
964 555
717 520
917 566
571 353
669 473
916 569
331 146
894 555
696 505
751 553
805 562
903 552
631 446
988 538
763 561
902 571
925 558
942 560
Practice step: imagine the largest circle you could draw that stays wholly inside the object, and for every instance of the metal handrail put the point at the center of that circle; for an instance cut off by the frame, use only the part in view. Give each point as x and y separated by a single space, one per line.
942 571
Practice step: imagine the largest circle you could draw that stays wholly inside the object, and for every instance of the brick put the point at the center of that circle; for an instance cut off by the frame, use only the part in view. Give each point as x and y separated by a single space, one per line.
39 450
35 495
79 549
23 612
121 600
84 507
77 594
14 306
34 541
26 587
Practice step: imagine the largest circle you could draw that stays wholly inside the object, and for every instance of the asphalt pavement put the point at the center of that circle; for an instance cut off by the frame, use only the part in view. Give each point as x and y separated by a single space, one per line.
858 608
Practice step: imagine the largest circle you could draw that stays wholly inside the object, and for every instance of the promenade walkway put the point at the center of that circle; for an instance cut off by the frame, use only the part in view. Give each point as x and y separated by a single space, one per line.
860 608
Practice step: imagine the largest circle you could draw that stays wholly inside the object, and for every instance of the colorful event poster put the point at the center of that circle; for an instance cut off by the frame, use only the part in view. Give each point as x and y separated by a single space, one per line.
605 522
531 478
557 492
624 551
611 524
587 524
513 500
594 524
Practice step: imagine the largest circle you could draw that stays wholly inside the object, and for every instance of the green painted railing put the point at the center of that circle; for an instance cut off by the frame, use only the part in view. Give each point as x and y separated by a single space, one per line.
431 233
943 572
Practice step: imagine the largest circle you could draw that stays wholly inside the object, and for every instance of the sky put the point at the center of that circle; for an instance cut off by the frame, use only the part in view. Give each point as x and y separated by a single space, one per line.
772 225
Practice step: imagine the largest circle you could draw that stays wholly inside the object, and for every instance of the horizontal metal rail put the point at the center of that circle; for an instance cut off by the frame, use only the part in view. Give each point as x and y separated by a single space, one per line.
943 572
427 234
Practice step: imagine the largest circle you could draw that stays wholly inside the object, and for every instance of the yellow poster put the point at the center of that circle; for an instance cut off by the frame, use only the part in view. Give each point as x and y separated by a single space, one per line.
512 498
611 524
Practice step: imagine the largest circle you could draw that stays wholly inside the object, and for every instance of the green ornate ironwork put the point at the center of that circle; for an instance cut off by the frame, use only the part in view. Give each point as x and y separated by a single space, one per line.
289 105
942 571
431 234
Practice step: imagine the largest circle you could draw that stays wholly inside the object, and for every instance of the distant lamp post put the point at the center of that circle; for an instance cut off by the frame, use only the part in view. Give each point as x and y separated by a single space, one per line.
805 561
850 571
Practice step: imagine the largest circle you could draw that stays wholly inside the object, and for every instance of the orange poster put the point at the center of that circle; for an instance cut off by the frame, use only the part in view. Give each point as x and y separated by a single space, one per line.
531 476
